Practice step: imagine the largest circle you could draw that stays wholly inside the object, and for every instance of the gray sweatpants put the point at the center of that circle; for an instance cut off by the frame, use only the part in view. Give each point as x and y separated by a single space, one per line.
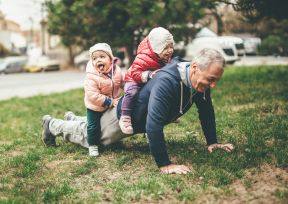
75 130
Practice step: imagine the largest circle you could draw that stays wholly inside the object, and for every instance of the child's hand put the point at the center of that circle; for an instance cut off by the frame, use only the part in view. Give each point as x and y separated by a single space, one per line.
115 102
154 73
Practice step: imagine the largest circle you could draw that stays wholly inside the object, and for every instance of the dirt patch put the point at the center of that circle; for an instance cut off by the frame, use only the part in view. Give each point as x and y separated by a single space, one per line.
259 188
6 142
239 107
279 111
262 186
63 165
16 153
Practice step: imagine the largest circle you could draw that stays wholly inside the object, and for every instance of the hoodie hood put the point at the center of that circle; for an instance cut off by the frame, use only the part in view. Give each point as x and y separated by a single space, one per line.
182 68
180 74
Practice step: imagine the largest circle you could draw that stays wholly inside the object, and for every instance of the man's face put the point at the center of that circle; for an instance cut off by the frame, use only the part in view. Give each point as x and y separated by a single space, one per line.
202 80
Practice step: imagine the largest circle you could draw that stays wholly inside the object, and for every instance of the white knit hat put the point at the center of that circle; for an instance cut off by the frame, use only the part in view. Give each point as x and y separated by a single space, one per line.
101 47
159 38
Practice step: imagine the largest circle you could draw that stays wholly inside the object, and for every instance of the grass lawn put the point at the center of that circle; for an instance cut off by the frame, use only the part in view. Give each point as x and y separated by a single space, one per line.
251 112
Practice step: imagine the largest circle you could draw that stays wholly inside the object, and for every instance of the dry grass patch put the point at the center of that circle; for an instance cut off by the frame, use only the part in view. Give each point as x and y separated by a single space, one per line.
262 185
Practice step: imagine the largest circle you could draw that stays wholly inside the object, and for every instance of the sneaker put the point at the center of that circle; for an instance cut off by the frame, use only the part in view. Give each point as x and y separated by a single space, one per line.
93 151
68 115
47 138
126 125
177 120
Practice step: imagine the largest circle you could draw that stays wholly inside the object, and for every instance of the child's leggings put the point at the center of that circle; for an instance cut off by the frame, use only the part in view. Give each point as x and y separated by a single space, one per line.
93 127
132 91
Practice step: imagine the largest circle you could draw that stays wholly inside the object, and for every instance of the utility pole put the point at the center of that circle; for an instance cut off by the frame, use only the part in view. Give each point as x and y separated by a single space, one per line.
31 31
43 23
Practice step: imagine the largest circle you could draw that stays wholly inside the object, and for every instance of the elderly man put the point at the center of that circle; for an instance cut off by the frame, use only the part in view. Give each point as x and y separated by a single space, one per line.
166 97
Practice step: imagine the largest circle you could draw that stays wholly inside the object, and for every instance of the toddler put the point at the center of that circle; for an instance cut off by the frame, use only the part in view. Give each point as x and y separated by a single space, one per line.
102 83
153 53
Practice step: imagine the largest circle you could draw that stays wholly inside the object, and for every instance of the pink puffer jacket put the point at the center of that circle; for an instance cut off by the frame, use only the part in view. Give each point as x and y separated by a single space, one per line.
98 88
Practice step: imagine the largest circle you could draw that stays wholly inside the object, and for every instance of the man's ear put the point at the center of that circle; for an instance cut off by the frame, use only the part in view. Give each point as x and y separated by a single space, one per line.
194 67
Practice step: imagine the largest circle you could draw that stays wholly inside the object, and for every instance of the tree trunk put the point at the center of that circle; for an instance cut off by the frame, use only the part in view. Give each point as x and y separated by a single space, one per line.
130 53
71 56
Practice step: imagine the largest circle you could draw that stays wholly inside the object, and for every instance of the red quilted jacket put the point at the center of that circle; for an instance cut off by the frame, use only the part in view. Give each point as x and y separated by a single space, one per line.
145 60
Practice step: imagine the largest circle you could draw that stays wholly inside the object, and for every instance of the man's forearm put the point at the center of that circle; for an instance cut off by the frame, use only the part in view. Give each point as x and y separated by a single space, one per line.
158 147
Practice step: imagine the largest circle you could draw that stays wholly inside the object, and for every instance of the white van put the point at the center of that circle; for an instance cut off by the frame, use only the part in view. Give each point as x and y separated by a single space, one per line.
12 64
230 47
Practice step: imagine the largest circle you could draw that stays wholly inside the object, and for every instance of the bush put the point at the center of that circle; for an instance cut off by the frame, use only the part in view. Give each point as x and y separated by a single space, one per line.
14 54
270 46
277 42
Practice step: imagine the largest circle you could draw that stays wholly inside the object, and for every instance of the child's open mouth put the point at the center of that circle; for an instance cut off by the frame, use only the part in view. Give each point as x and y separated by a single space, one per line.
101 67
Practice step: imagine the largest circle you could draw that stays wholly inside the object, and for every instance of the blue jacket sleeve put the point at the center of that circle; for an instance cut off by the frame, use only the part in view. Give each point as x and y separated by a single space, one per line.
160 101
207 117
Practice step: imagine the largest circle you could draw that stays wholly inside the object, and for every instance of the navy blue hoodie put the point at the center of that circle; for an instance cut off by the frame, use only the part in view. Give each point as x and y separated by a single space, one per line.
159 103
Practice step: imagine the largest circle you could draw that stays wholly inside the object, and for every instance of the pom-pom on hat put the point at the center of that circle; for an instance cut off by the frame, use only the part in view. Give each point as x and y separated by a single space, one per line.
101 47
159 38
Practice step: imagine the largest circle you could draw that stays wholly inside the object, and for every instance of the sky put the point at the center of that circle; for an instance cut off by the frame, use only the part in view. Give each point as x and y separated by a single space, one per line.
20 11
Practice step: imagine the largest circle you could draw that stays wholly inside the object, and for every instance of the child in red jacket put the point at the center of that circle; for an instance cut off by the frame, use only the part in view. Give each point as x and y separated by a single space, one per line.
153 53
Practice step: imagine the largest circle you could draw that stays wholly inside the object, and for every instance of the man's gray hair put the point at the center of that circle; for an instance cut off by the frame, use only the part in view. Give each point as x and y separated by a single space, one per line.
207 56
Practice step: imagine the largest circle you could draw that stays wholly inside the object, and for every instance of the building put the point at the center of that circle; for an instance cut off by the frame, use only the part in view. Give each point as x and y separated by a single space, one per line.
10 35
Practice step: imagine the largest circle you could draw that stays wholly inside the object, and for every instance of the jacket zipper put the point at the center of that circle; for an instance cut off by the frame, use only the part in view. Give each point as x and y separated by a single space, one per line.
190 100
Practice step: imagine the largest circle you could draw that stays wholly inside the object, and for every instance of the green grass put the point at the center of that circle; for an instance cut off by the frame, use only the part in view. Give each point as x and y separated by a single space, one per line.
251 112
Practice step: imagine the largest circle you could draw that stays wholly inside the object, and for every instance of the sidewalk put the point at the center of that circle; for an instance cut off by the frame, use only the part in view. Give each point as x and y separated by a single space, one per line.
261 60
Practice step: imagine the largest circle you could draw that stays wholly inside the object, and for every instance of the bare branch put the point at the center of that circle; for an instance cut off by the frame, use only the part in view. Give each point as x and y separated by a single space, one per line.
227 2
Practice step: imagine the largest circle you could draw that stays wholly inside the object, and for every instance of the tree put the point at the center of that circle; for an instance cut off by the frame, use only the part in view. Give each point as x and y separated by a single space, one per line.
61 23
276 39
123 23
256 10
272 23
3 51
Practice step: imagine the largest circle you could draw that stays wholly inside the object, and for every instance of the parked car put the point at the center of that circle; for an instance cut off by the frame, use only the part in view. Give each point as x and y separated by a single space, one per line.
229 46
42 63
250 45
81 60
12 64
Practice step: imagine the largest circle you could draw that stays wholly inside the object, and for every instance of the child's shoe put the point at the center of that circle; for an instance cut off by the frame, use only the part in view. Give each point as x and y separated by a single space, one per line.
68 115
177 120
126 125
93 151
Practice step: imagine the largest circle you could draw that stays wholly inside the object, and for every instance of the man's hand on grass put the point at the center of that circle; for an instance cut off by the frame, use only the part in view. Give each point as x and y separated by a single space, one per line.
227 147
174 169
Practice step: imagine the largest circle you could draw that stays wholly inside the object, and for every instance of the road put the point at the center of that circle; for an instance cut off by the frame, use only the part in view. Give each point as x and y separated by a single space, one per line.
31 84
261 60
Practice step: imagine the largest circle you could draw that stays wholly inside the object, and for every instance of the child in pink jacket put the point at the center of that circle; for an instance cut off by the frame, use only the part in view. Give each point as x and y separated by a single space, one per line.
102 83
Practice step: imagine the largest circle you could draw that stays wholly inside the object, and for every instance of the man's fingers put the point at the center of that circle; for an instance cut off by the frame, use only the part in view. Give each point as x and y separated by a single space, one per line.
185 168
228 147
210 149
178 169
